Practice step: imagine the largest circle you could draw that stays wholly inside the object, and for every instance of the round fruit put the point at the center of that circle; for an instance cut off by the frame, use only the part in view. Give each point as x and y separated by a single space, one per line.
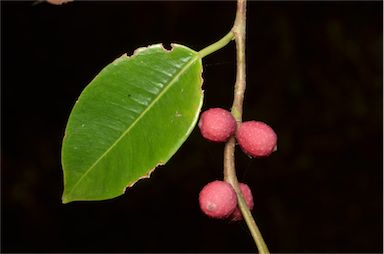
256 138
247 195
218 199
217 124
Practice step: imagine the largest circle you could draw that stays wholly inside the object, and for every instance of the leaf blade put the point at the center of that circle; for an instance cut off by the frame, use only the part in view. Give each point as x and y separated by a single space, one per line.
153 111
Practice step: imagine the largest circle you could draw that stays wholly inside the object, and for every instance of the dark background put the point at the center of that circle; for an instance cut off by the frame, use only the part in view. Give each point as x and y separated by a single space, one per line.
314 74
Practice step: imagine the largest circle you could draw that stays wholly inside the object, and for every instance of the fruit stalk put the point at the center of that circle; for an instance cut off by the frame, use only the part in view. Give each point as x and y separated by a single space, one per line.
238 30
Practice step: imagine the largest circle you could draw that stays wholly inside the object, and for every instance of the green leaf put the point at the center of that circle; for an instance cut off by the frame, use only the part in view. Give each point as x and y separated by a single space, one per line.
132 117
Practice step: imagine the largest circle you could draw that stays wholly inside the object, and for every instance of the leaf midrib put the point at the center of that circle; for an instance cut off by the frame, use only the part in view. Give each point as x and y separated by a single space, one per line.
175 78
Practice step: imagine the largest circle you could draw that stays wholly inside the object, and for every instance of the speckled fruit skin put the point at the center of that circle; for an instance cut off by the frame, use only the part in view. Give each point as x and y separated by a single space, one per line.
247 194
218 199
256 138
217 124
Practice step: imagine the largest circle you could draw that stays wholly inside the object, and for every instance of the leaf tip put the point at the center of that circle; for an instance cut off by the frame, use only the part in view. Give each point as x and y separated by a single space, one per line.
65 199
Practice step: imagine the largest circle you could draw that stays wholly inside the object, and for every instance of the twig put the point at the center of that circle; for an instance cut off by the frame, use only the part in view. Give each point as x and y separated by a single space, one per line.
237 110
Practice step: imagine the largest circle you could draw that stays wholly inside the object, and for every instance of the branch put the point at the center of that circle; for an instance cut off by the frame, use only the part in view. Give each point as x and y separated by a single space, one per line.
237 111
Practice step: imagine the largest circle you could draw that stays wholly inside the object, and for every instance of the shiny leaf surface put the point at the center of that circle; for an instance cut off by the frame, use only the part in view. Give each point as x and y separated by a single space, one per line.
132 117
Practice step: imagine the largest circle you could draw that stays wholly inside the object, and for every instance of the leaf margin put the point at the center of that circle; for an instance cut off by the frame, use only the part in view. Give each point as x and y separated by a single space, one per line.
124 57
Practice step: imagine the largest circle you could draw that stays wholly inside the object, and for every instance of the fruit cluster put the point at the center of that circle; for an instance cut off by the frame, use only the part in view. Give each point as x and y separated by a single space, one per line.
257 139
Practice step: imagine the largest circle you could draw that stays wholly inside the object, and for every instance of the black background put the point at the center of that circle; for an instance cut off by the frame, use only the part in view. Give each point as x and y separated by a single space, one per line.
314 73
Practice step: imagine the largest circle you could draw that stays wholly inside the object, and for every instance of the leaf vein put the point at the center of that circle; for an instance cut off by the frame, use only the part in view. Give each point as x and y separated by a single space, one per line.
175 79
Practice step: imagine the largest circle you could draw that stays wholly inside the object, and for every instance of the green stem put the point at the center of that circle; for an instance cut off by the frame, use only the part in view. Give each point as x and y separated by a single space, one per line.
217 45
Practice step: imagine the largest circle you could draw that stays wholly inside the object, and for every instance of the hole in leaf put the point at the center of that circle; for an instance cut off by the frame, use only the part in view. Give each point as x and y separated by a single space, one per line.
167 46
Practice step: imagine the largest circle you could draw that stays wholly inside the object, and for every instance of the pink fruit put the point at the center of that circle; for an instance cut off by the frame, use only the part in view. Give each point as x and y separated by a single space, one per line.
247 195
218 199
256 138
217 124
